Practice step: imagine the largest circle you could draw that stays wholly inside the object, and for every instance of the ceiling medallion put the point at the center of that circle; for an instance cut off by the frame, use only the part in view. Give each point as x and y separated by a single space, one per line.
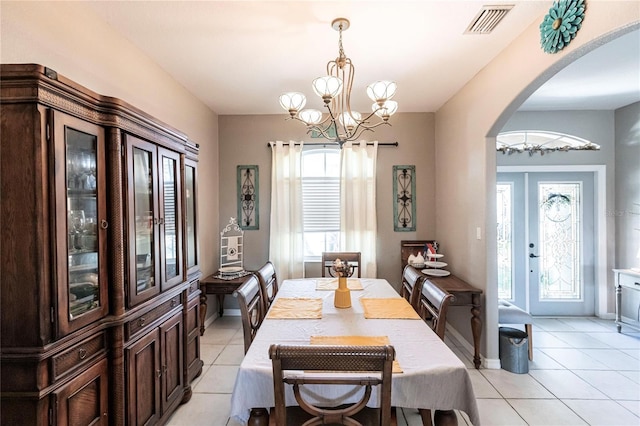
341 124
561 24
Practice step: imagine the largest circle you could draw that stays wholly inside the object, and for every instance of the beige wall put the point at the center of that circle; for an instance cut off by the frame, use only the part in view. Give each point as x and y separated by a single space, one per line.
68 38
243 141
465 156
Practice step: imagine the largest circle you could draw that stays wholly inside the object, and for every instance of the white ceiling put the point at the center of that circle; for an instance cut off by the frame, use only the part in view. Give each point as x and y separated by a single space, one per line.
239 56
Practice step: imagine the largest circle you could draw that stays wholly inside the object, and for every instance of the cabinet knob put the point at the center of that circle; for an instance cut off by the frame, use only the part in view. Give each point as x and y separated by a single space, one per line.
173 303
82 353
158 373
104 224
155 221
141 321
161 220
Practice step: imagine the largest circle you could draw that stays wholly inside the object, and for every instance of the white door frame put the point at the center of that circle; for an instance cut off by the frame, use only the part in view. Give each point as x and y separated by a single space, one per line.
600 200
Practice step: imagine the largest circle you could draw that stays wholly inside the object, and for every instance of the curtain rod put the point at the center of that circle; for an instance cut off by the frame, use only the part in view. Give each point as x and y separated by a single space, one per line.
331 144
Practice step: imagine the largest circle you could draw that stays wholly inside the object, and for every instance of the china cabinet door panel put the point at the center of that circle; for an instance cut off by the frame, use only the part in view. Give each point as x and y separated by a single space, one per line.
144 372
172 368
84 401
170 191
80 226
191 218
144 252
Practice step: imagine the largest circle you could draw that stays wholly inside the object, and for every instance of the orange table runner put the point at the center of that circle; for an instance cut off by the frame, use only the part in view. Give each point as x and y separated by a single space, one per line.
296 308
332 284
356 341
388 308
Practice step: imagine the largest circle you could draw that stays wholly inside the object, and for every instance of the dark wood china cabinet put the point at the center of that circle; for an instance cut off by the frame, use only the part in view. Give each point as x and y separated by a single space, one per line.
99 257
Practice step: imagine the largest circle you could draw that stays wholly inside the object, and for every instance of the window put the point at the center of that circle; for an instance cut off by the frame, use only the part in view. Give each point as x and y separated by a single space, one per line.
505 241
320 201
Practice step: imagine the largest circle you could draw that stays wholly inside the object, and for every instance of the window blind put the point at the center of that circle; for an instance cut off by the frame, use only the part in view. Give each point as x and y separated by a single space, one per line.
321 204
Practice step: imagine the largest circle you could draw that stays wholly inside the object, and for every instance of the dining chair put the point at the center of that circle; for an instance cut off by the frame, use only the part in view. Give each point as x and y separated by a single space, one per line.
353 257
412 282
375 362
269 284
434 305
250 300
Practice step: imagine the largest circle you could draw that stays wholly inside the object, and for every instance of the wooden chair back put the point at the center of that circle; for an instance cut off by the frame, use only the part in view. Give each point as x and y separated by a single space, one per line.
434 305
412 282
320 358
249 296
269 283
353 257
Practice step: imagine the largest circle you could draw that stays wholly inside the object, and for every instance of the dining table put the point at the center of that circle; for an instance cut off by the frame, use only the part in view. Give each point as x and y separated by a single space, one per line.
431 376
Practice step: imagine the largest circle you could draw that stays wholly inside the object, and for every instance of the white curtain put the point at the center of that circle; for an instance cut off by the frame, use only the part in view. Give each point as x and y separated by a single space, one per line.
358 220
286 249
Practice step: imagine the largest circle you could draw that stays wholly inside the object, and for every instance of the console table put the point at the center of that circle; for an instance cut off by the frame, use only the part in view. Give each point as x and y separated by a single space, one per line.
216 285
464 294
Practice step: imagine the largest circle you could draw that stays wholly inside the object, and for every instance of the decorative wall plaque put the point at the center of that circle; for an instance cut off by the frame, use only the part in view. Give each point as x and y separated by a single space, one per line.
248 212
404 206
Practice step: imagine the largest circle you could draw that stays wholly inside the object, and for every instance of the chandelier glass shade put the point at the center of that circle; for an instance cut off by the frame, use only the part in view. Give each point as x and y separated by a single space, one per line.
340 123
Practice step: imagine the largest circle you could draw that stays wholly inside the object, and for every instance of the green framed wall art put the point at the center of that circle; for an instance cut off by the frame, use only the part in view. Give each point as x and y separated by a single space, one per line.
404 203
248 201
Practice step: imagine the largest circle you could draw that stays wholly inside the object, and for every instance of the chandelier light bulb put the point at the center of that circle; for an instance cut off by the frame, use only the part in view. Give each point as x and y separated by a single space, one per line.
310 116
327 87
386 110
380 91
292 102
350 120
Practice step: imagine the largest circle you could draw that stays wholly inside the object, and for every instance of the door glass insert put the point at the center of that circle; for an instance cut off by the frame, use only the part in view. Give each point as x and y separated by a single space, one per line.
505 241
144 218
190 182
82 222
559 240
170 205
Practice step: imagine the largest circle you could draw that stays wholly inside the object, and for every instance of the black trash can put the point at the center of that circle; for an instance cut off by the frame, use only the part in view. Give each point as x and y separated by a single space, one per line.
514 354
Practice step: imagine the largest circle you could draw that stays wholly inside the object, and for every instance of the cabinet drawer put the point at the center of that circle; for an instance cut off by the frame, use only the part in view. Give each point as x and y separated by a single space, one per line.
78 355
194 286
142 321
630 281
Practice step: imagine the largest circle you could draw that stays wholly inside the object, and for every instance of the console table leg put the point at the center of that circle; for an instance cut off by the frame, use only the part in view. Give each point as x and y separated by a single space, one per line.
476 330
258 417
445 418
220 304
203 311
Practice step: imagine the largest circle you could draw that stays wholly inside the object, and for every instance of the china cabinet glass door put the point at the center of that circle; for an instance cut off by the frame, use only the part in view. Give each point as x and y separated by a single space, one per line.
191 206
143 220
170 218
80 222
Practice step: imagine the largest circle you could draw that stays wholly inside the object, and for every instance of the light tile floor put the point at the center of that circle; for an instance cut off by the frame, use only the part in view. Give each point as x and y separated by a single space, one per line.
583 373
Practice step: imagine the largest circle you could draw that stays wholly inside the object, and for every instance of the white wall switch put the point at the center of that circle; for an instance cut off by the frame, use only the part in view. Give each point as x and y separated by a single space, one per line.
478 233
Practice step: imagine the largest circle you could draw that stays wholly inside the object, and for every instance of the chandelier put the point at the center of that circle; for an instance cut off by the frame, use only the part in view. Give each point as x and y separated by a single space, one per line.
341 124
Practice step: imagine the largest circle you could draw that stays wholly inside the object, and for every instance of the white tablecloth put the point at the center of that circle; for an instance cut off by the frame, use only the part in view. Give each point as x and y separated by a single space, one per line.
433 377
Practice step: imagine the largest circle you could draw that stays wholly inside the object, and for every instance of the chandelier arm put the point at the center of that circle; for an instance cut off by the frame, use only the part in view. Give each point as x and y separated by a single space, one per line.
357 133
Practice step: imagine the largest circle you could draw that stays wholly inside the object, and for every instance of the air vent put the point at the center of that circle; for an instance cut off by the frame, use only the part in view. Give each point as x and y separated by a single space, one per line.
488 18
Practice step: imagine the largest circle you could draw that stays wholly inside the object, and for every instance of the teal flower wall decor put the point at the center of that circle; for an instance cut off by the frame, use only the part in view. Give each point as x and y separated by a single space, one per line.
561 24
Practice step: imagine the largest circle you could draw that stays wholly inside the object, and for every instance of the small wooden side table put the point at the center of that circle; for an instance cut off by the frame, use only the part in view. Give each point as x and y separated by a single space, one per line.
215 285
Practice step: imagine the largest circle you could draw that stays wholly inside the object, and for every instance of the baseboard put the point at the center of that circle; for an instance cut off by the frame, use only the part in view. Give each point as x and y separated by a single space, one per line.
608 316
215 316
491 364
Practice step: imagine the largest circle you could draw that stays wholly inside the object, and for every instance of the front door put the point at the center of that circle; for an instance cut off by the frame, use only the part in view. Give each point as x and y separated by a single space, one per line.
552 242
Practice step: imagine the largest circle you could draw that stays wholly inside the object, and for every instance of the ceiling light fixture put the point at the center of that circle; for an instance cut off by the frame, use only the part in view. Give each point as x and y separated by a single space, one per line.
341 124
